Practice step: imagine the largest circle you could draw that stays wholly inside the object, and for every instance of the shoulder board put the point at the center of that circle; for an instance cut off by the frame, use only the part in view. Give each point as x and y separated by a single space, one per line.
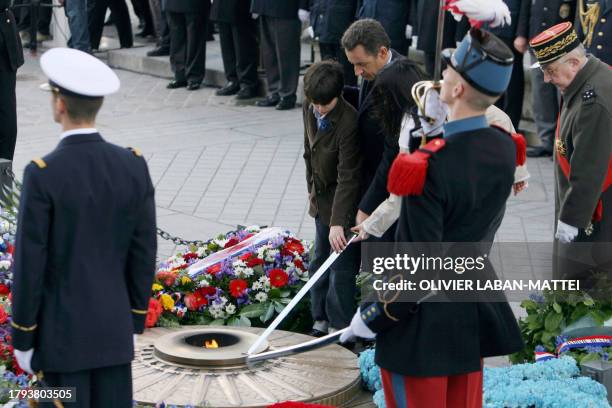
409 171
588 96
136 151
40 163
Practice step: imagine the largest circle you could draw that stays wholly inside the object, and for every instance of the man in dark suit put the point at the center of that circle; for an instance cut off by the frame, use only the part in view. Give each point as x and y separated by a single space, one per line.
431 353
121 18
367 47
594 27
329 19
11 58
239 47
188 21
535 17
280 43
394 15
85 245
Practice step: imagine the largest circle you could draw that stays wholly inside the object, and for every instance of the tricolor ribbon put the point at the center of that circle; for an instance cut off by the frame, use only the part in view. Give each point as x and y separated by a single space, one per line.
578 342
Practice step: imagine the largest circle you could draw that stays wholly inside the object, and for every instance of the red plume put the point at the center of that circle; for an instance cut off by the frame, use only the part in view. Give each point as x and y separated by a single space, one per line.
521 148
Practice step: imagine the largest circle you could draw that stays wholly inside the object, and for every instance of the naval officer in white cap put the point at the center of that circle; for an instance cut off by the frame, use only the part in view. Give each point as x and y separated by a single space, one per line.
85 246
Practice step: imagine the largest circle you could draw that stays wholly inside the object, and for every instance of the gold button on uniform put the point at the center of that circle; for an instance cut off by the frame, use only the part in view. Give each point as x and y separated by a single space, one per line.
599 47
600 33
603 20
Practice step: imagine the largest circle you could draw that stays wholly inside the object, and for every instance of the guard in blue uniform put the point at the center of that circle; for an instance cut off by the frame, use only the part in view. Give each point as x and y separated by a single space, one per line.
85 245
454 188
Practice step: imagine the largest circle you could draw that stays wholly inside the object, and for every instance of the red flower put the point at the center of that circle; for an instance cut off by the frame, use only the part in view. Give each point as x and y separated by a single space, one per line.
167 278
253 262
3 315
231 243
207 291
278 278
237 287
10 249
299 264
155 310
4 290
194 301
214 269
291 247
190 255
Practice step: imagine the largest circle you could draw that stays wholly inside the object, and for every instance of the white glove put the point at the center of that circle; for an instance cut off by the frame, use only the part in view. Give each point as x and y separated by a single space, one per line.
254 16
135 337
434 109
408 31
495 12
304 15
565 233
24 359
310 31
357 329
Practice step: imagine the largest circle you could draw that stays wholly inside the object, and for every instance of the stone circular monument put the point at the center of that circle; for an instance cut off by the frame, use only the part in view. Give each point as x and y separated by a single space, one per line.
205 366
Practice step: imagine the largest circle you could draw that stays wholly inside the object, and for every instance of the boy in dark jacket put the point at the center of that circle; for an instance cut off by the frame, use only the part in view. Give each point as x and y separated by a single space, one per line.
333 169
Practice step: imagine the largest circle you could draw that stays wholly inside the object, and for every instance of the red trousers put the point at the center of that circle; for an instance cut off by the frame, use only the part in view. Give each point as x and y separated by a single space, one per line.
453 391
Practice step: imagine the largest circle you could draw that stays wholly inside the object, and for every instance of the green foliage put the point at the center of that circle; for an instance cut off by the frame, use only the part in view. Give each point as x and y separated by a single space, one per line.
549 314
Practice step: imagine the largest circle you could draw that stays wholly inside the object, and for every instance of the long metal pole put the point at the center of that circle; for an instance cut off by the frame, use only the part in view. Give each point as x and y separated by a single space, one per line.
439 43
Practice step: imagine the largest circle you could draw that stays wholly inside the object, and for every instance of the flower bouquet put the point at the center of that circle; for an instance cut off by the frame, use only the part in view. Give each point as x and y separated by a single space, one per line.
244 287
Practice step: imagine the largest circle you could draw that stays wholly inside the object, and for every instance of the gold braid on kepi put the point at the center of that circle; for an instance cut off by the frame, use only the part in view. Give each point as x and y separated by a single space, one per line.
588 20
554 43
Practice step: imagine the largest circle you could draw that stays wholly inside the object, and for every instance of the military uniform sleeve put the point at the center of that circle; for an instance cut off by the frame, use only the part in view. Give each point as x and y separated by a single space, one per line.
31 250
522 27
140 267
349 176
421 220
592 142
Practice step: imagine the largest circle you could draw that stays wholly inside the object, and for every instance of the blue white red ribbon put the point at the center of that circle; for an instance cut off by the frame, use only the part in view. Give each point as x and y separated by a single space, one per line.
578 342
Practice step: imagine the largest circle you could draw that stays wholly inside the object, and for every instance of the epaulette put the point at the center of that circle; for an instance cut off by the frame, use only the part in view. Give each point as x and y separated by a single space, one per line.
519 142
409 171
136 151
589 96
40 163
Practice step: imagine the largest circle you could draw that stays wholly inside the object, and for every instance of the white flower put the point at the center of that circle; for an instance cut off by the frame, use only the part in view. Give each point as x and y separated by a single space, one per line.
221 242
239 263
216 312
223 300
257 285
261 297
230 309
5 264
203 283
271 254
248 272
201 252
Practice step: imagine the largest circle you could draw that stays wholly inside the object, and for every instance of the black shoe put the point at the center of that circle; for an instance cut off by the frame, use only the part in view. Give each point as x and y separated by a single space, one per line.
158 52
317 333
286 103
193 85
268 101
231 88
176 84
246 93
539 151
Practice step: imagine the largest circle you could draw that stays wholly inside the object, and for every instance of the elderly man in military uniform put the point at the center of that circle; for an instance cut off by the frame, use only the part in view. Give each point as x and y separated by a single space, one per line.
431 354
583 142
594 29
536 16
85 245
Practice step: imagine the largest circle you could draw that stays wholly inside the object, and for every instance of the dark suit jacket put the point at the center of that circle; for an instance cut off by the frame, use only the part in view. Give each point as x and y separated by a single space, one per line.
11 52
333 165
393 15
85 256
426 23
460 201
188 6
230 11
278 9
378 149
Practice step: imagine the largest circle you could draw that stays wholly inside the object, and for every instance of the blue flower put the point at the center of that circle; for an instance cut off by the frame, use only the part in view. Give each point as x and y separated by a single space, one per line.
560 340
536 297
540 348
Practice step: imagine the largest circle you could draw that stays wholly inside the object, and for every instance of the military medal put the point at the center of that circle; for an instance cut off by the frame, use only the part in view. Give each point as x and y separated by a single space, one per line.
560 146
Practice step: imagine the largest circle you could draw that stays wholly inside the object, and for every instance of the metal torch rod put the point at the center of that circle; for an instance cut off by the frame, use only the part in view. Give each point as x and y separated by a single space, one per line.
439 43
296 299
